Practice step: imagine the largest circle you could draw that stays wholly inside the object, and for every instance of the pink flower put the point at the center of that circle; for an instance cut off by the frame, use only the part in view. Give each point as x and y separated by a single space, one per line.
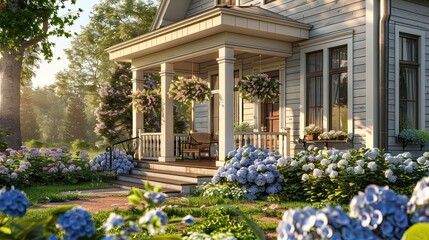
9 149
65 170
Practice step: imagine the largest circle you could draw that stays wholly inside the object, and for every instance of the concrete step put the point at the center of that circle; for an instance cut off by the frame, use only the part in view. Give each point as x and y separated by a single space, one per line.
129 185
181 176
205 168
184 187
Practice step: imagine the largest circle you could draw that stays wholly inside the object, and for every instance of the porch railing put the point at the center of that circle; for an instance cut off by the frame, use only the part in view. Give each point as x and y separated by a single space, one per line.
150 143
272 141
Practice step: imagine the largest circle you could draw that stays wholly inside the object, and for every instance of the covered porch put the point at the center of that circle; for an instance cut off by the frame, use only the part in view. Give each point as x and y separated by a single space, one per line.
224 42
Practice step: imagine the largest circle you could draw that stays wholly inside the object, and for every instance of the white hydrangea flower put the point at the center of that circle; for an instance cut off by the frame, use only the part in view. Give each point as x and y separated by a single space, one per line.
294 163
347 156
342 163
421 160
360 163
407 155
305 167
304 177
325 162
392 179
333 174
317 173
426 154
388 173
311 166
372 166
359 170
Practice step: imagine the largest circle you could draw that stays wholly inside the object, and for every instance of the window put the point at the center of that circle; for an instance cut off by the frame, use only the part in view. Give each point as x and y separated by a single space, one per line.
408 81
226 2
338 107
314 111
326 82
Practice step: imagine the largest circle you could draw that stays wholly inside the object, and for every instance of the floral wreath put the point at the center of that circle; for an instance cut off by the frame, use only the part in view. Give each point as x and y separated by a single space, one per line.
261 86
187 90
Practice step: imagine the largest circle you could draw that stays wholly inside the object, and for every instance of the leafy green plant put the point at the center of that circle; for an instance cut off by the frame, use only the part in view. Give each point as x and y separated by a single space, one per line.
241 127
3 144
414 136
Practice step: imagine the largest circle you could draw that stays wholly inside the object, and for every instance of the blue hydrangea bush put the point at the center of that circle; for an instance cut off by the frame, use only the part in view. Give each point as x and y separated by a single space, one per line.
45 166
336 176
253 170
121 162
376 213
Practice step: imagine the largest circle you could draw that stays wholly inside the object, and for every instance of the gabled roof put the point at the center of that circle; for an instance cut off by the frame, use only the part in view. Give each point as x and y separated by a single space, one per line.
170 11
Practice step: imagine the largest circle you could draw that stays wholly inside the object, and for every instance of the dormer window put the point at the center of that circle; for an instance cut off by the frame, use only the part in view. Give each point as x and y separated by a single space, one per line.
226 2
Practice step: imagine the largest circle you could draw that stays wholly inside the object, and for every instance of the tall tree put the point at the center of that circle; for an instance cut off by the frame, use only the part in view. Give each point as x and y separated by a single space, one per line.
29 126
114 111
24 24
75 127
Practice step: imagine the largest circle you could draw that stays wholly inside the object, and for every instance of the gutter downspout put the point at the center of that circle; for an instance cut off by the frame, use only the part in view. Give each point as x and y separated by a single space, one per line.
383 86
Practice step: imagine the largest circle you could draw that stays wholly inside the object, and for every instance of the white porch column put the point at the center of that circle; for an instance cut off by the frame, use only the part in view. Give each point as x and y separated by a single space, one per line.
226 102
138 83
167 120
138 117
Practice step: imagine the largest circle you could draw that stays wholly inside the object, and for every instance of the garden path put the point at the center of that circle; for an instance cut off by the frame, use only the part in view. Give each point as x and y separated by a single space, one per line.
96 200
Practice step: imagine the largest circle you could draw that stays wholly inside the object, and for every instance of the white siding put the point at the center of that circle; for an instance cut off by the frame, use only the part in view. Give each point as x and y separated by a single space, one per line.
414 15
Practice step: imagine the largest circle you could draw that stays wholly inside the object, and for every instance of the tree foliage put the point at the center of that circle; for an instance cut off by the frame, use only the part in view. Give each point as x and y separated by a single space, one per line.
23 25
50 111
114 111
29 125
75 125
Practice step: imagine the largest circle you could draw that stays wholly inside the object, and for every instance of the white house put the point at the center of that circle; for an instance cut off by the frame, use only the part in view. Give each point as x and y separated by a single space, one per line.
353 65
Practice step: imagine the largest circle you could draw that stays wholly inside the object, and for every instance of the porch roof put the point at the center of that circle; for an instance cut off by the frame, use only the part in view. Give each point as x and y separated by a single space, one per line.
238 27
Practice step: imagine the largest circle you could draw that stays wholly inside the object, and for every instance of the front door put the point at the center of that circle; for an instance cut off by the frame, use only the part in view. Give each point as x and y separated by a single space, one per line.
270 111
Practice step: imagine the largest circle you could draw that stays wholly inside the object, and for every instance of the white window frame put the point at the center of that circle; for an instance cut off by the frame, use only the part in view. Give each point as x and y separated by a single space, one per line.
237 3
421 74
325 44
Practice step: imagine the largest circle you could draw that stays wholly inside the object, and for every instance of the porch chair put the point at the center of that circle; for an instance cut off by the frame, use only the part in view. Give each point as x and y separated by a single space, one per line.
198 142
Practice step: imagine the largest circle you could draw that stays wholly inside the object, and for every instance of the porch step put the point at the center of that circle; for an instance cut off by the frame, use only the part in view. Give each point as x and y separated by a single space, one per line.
181 176
193 167
182 186
129 185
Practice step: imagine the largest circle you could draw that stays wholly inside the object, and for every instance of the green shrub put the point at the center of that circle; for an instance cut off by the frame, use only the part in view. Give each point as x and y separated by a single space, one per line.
80 144
34 143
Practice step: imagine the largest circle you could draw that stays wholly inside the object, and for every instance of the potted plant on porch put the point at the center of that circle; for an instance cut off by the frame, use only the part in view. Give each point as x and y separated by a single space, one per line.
312 131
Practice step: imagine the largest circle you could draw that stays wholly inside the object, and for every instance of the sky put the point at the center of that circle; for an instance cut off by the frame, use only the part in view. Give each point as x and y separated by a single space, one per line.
45 75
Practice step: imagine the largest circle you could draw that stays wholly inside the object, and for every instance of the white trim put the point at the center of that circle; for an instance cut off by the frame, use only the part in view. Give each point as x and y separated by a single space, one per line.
325 46
421 76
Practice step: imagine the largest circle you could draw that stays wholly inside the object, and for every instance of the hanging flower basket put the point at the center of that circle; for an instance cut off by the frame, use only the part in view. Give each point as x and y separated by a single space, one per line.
146 100
190 90
260 86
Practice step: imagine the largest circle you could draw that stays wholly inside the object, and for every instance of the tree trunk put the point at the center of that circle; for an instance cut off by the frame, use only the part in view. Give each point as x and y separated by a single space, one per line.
10 74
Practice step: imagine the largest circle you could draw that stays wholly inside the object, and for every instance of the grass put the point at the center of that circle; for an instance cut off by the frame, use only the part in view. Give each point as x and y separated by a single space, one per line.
53 193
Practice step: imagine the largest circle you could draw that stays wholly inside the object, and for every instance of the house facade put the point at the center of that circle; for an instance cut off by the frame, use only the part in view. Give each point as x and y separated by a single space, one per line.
356 66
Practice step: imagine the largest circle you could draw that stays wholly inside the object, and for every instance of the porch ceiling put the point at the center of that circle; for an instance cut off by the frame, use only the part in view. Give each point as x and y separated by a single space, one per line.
203 34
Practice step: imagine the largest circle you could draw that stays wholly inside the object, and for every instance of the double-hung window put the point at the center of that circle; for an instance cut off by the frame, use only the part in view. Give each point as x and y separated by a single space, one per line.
314 93
408 81
326 82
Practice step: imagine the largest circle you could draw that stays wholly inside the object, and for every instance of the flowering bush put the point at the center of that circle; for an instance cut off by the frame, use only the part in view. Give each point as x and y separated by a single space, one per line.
336 176
261 86
312 129
44 166
187 90
253 169
121 162
376 213
72 223
333 135
226 191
